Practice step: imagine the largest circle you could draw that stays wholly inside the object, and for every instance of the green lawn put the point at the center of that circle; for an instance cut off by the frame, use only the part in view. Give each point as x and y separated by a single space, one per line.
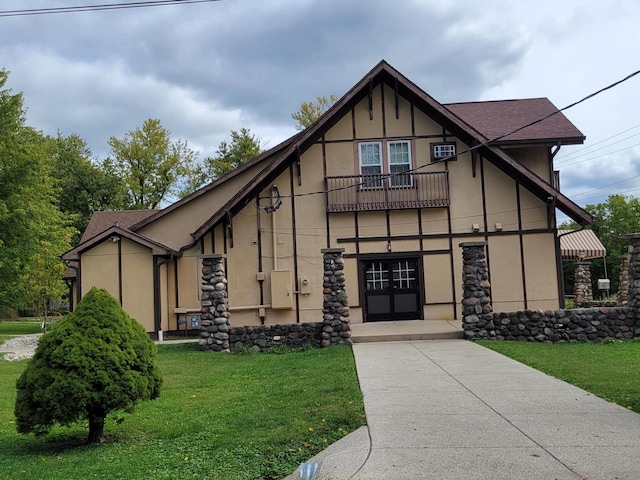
610 370
219 416
9 328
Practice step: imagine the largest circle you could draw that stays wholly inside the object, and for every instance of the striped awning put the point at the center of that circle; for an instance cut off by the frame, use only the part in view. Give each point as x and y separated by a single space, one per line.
580 244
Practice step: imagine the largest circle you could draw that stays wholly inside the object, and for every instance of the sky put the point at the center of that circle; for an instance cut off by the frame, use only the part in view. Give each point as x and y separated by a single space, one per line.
205 69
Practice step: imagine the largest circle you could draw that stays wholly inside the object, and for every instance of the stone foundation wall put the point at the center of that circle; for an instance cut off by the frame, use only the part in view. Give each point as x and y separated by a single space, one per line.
581 324
264 337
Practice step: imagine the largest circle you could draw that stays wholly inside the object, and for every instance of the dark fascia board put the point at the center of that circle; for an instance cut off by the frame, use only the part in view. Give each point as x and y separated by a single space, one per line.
155 247
549 142
207 188
385 73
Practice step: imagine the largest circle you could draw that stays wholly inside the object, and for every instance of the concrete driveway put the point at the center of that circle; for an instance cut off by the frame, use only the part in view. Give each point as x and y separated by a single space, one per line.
451 409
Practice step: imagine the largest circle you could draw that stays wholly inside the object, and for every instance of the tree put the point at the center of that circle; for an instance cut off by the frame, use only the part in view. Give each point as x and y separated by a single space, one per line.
615 218
244 146
152 166
311 111
93 362
29 214
85 185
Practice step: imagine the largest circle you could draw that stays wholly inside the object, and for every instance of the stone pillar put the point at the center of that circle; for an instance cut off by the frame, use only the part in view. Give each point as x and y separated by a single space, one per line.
336 324
582 288
477 312
634 279
214 323
623 285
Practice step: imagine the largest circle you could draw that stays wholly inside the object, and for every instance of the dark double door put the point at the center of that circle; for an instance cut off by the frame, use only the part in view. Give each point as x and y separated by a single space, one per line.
392 289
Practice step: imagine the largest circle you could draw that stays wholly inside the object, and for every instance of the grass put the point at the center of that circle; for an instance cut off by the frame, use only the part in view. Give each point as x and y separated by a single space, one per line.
219 416
610 370
11 328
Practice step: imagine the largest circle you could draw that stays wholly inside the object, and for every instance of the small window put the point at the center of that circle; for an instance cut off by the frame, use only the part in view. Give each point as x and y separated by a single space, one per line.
399 162
443 151
371 164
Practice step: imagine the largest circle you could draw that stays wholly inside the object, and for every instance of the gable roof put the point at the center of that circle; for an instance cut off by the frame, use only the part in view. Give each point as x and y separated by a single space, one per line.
100 221
121 232
497 118
385 73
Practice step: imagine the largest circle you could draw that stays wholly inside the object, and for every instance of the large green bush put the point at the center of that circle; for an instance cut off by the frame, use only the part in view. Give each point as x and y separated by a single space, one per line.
94 361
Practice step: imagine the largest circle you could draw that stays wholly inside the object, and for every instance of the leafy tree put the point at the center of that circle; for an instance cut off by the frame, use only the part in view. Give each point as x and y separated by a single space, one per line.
29 213
615 218
152 166
85 185
244 146
311 111
93 362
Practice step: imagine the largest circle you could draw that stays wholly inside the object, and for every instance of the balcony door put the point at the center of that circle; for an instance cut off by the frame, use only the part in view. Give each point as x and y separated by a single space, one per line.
391 289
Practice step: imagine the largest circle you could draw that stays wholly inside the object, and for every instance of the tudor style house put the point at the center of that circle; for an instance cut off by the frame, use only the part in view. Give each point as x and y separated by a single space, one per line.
388 174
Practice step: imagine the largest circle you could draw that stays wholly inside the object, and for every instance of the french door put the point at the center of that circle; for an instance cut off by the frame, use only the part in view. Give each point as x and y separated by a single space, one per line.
391 289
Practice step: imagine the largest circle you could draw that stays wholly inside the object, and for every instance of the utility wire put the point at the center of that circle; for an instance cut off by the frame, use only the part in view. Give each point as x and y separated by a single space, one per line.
91 8
562 157
474 147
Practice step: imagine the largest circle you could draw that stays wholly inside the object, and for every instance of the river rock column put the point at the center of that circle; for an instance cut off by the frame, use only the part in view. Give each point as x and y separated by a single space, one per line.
582 288
477 311
214 323
336 323
623 285
634 279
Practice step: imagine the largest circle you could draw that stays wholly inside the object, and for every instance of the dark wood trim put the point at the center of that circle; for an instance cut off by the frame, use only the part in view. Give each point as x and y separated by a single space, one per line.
408 253
420 231
298 167
294 237
451 259
120 270
413 122
521 240
156 295
391 138
229 225
396 96
384 114
442 235
431 304
484 217
176 280
224 238
326 188
259 229
213 240
353 126
388 220
371 99
357 231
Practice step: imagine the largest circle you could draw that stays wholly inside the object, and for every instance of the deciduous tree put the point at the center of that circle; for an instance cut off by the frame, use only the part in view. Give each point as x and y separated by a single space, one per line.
311 111
230 155
93 362
152 166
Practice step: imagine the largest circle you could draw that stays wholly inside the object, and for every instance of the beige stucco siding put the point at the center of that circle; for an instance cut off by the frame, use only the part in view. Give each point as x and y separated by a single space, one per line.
437 279
465 196
535 159
369 128
506 273
540 268
100 268
500 194
401 126
137 283
174 229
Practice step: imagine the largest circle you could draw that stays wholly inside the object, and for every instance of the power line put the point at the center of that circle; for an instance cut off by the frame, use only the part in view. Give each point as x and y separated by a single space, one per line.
566 159
561 157
91 8
475 147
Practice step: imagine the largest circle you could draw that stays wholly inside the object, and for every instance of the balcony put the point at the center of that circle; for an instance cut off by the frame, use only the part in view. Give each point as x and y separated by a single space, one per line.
356 193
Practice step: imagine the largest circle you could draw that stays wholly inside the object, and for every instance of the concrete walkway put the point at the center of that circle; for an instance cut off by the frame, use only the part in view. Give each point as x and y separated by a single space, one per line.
451 409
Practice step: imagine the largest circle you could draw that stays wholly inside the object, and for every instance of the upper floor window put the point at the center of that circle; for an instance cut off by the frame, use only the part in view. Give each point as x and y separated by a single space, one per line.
443 151
376 164
399 162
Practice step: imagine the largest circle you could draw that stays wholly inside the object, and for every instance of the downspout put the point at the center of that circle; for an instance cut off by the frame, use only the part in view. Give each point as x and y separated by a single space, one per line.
157 317
274 199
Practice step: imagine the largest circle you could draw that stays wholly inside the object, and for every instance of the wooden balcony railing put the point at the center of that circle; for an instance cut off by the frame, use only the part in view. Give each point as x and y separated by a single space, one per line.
356 193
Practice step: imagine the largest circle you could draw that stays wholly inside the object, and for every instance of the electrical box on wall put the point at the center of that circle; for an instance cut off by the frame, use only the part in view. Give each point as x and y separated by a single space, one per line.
282 289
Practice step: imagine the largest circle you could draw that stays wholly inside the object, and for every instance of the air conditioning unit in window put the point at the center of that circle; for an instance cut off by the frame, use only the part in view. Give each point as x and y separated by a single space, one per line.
443 151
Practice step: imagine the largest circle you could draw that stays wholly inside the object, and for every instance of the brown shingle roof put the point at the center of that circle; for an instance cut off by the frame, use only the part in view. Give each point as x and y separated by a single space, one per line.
100 221
496 118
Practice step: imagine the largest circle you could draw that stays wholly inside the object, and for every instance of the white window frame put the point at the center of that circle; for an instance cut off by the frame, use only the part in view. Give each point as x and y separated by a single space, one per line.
408 163
380 165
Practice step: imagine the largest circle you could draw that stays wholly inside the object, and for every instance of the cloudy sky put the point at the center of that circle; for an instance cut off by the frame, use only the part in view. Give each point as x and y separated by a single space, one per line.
204 69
